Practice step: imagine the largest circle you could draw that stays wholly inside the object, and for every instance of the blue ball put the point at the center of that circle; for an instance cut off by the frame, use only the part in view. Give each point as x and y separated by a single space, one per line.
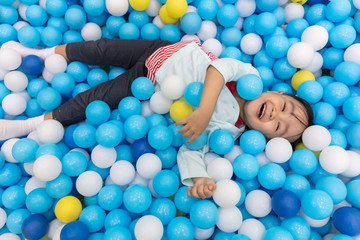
48 98
56 8
252 142
303 161
28 36
332 57
49 148
150 32
32 65
282 69
34 227
207 9
129 31
352 135
139 18
58 22
117 217
204 214
36 15
110 197
156 119
265 5
280 15
166 183
72 36
311 91
324 114
221 141
180 228
74 163
63 83
296 27
347 72
137 198
51 36
93 7
59 187
341 123
136 127
15 219
182 201
113 24
342 36
249 24
97 112
231 52
351 109
164 209
297 226
352 193
38 201
270 221
227 15
79 88
277 46
85 135
129 106
285 203
142 88
76 230
265 23
24 150
277 233
97 76
160 137
198 143
191 23
249 86
338 138
140 147
75 17
118 232
94 217
167 157
315 13
13 197
347 220
334 187
116 71
246 166
7 33
231 37
261 58
317 204
33 108
271 176
177 137
8 14
192 93
110 134
124 152
170 33
338 10
68 136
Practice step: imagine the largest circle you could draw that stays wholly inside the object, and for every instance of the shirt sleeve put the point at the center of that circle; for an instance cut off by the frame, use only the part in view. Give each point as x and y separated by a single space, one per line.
232 69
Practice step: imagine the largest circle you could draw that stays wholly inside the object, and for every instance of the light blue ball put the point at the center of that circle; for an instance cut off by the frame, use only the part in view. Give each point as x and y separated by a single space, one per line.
85 135
204 214
297 226
319 173
58 22
270 221
137 198
38 201
207 9
113 24
136 127
192 93
56 8
252 142
352 193
28 36
8 14
129 106
100 20
277 46
265 5
64 83
265 23
170 33
280 15
94 217
97 76
94 7
110 134
332 57
351 109
338 138
315 13
182 201
249 185
221 141
49 148
156 119
75 17
78 71
51 36
246 166
177 137
24 150
303 161
49 99
15 219
347 72
282 69
167 157
166 183
142 88
118 232
160 137
129 31
231 37
124 153
164 209
191 23
2 161
341 123
180 228
97 112
110 197
311 91
79 88
338 10
296 27
36 15
72 36
231 52
277 233
249 86
352 135
116 71
324 114
117 217
7 33
342 36
59 187
227 15
261 58
74 163
198 143
334 187
271 176
354 91
150 32
13 197
317 204
249 24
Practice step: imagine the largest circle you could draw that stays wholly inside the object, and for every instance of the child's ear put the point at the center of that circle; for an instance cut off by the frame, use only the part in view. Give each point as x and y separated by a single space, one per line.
276 92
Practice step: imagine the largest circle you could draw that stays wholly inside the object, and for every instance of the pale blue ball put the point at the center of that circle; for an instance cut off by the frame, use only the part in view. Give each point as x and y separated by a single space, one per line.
72 36
7 33
319 173
282 69
227 15
59 187
150 32
100 20
336 93
270 221
324 114
296 183
317 204
332 57
94 7
49 98
353 196
97 76
15 218
35 86
110 197
261 58
315 13
115 72
24 150
129 31
271 176
192 93
249 86
64 83
138 18
124 153
164 209
129 106
347 72
85 135
33 108
204 214
252 142
207 9
58 22
338 10
51 36
29 36
277 46
38 201
334 187
170 33
80 87
137 198
49 148
56 8
280 15
119 232
341 123
166 183
221 141
352 135
265 23
231 37
36 15
97 112
156 119
249 24
117 217
75 17
167 157
231 52
110 134
8 14
311 91
94 217
160 137
296 27
142 88
182 201
136 127
342 36
74 163
266 5
351 109
187 229
113 24
177 137
246 166
297 226
191 23
277 232
198 143
13 197
78 71
303 161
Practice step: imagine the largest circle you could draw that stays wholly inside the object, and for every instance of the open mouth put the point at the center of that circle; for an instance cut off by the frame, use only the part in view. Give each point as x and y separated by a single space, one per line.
261 112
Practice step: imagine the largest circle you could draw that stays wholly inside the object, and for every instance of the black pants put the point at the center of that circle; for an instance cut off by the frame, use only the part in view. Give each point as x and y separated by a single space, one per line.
129 54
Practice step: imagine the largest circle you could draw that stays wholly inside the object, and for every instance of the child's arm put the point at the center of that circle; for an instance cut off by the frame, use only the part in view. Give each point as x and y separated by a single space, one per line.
196 123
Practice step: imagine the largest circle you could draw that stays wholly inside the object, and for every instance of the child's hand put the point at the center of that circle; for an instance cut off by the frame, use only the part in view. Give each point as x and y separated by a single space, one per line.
194 124
203 188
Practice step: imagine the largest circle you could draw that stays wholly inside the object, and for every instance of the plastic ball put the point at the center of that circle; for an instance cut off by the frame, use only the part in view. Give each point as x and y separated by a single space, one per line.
97 112
159 104
246 166
351 53
350 109
164 209
278 150
136 127
14 104
63 83
68 209
15 219
84 135
36 15
148 165
89 183
346 220
24 150
56 8
110 134
300 54
176 8
55 64
51 36
34 227
137 198
170 32
285 203
352 135
192 93
310 91
227 193
48 98
337 11
317 204
342 36
334 187
219 168
129 106
38 201
198 143
251 228
221 141
13 197
117 8
180 228
103 157
191 23
252 142
122 172
316 137
32 65
258 203
249 86
76 230
271 176
277 46
50 131
347 72
294 11
265 23
303 162
59 187
150 31
334 159
251 44
47 167
301 77
297 226
148 227
180 109
204 214
324 114
142 88
316 36
165 17
166 183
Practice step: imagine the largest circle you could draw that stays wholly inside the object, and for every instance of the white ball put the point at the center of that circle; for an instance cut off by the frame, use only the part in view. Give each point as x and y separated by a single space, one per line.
6 149
316 137
153 8
29 168
139 180
203 234
251 43
278 150
16 81
22 11
209 157
47 76
50 131
146 109
245 7
33 183
316 64
122 172
229 220
103 157
353 169
262 159
9 236
150 186
294 10
239 23
25 95
207 30
356 3
91 32
159 103
252 228
191 9
14 104
10 59
317 36
89 183
172 87
42 3
188 37
53 226
117 7
334 159
220 168
47 167
148 227
300 54
157 21
55 63
235 151
20 24
227 193
313 222
83 151
352 53
212 45
148 165
3 217
3 72
56 235
258 203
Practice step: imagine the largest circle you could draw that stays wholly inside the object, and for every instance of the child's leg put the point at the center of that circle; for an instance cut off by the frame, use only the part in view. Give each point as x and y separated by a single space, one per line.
18 128
25 51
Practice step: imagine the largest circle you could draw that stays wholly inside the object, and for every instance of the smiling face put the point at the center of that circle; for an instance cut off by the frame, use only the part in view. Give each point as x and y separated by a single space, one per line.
276 115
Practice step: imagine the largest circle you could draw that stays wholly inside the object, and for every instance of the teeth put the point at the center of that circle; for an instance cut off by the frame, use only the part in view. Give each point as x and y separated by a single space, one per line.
262 110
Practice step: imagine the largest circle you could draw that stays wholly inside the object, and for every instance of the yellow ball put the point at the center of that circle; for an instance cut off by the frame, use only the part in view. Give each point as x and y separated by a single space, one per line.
301 145
139 5
299 1
300 77
176 8
179 110
165 17
68 209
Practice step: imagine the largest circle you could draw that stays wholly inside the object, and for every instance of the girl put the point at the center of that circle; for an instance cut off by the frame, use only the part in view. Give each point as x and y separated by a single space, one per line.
273 113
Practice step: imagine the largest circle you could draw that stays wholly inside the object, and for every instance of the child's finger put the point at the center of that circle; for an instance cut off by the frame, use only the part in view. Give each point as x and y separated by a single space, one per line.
193 138
208 193
188 191
200 191
185 128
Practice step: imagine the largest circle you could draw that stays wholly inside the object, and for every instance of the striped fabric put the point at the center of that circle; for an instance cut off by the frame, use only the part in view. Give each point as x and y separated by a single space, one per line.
156 60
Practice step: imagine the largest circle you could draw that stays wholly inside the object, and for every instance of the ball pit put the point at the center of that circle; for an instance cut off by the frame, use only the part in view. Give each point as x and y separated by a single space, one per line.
121 164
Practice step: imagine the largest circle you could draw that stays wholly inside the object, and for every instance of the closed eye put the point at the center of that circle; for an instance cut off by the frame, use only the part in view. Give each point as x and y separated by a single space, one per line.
283 109
277 127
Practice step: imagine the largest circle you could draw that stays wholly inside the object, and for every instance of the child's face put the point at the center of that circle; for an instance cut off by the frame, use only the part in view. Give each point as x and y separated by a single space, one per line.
276 115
